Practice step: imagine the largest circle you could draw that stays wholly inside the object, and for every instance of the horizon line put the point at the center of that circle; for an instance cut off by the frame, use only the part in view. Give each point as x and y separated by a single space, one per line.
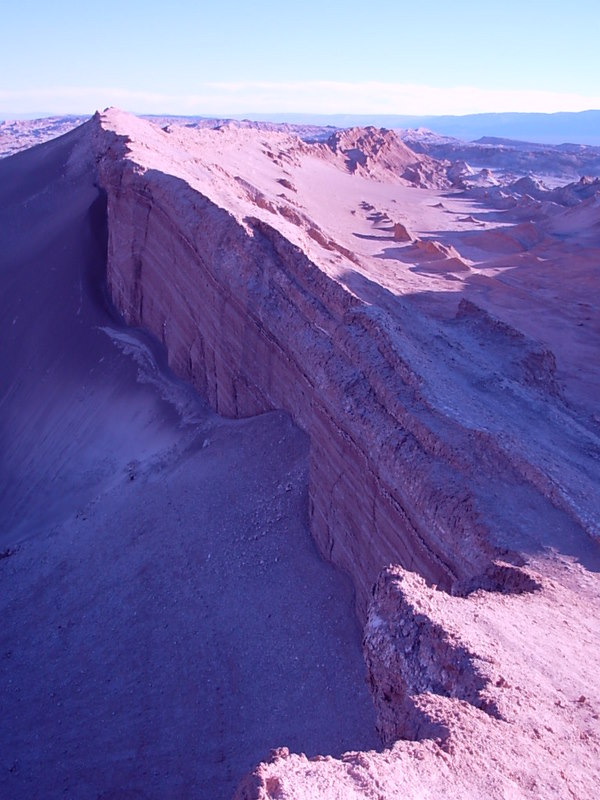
8 116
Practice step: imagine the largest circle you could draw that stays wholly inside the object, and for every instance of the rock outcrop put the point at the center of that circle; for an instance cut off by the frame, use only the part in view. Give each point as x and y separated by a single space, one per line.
401 234
380 153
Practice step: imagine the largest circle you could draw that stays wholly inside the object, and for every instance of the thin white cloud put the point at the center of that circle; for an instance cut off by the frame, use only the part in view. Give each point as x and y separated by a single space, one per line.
325 97
394 98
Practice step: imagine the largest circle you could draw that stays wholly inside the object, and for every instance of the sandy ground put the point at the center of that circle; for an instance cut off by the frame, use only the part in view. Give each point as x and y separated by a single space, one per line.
166 618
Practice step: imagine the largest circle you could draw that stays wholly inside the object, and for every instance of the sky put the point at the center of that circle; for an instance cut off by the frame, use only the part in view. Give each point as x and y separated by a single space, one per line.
218 58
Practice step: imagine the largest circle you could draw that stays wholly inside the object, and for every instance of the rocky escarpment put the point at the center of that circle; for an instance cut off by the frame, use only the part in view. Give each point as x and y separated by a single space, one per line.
254 324
376 152
411 652
454 451
435 447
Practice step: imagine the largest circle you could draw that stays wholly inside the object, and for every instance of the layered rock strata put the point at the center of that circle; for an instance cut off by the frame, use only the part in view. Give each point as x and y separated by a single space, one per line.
445 448
256 325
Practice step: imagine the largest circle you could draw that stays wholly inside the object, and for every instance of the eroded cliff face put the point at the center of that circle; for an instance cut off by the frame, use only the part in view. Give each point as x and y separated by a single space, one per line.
435 446
255 325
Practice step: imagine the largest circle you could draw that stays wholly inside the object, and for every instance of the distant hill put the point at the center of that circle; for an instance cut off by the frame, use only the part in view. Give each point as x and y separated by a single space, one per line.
19 134
12 115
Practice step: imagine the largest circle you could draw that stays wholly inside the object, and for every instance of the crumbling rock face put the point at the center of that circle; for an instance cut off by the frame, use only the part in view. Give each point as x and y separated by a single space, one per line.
255 325
378 152
408 654
444 440
529 362
411 464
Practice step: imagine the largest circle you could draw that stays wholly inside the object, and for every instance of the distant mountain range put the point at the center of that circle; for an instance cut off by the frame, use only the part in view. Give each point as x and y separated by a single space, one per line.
577 128
581 127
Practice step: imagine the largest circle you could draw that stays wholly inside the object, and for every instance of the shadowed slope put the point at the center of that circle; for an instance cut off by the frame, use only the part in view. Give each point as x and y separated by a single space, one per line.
166 618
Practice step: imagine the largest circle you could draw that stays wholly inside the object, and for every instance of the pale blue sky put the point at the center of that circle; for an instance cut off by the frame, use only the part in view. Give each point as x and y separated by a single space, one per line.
385 57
